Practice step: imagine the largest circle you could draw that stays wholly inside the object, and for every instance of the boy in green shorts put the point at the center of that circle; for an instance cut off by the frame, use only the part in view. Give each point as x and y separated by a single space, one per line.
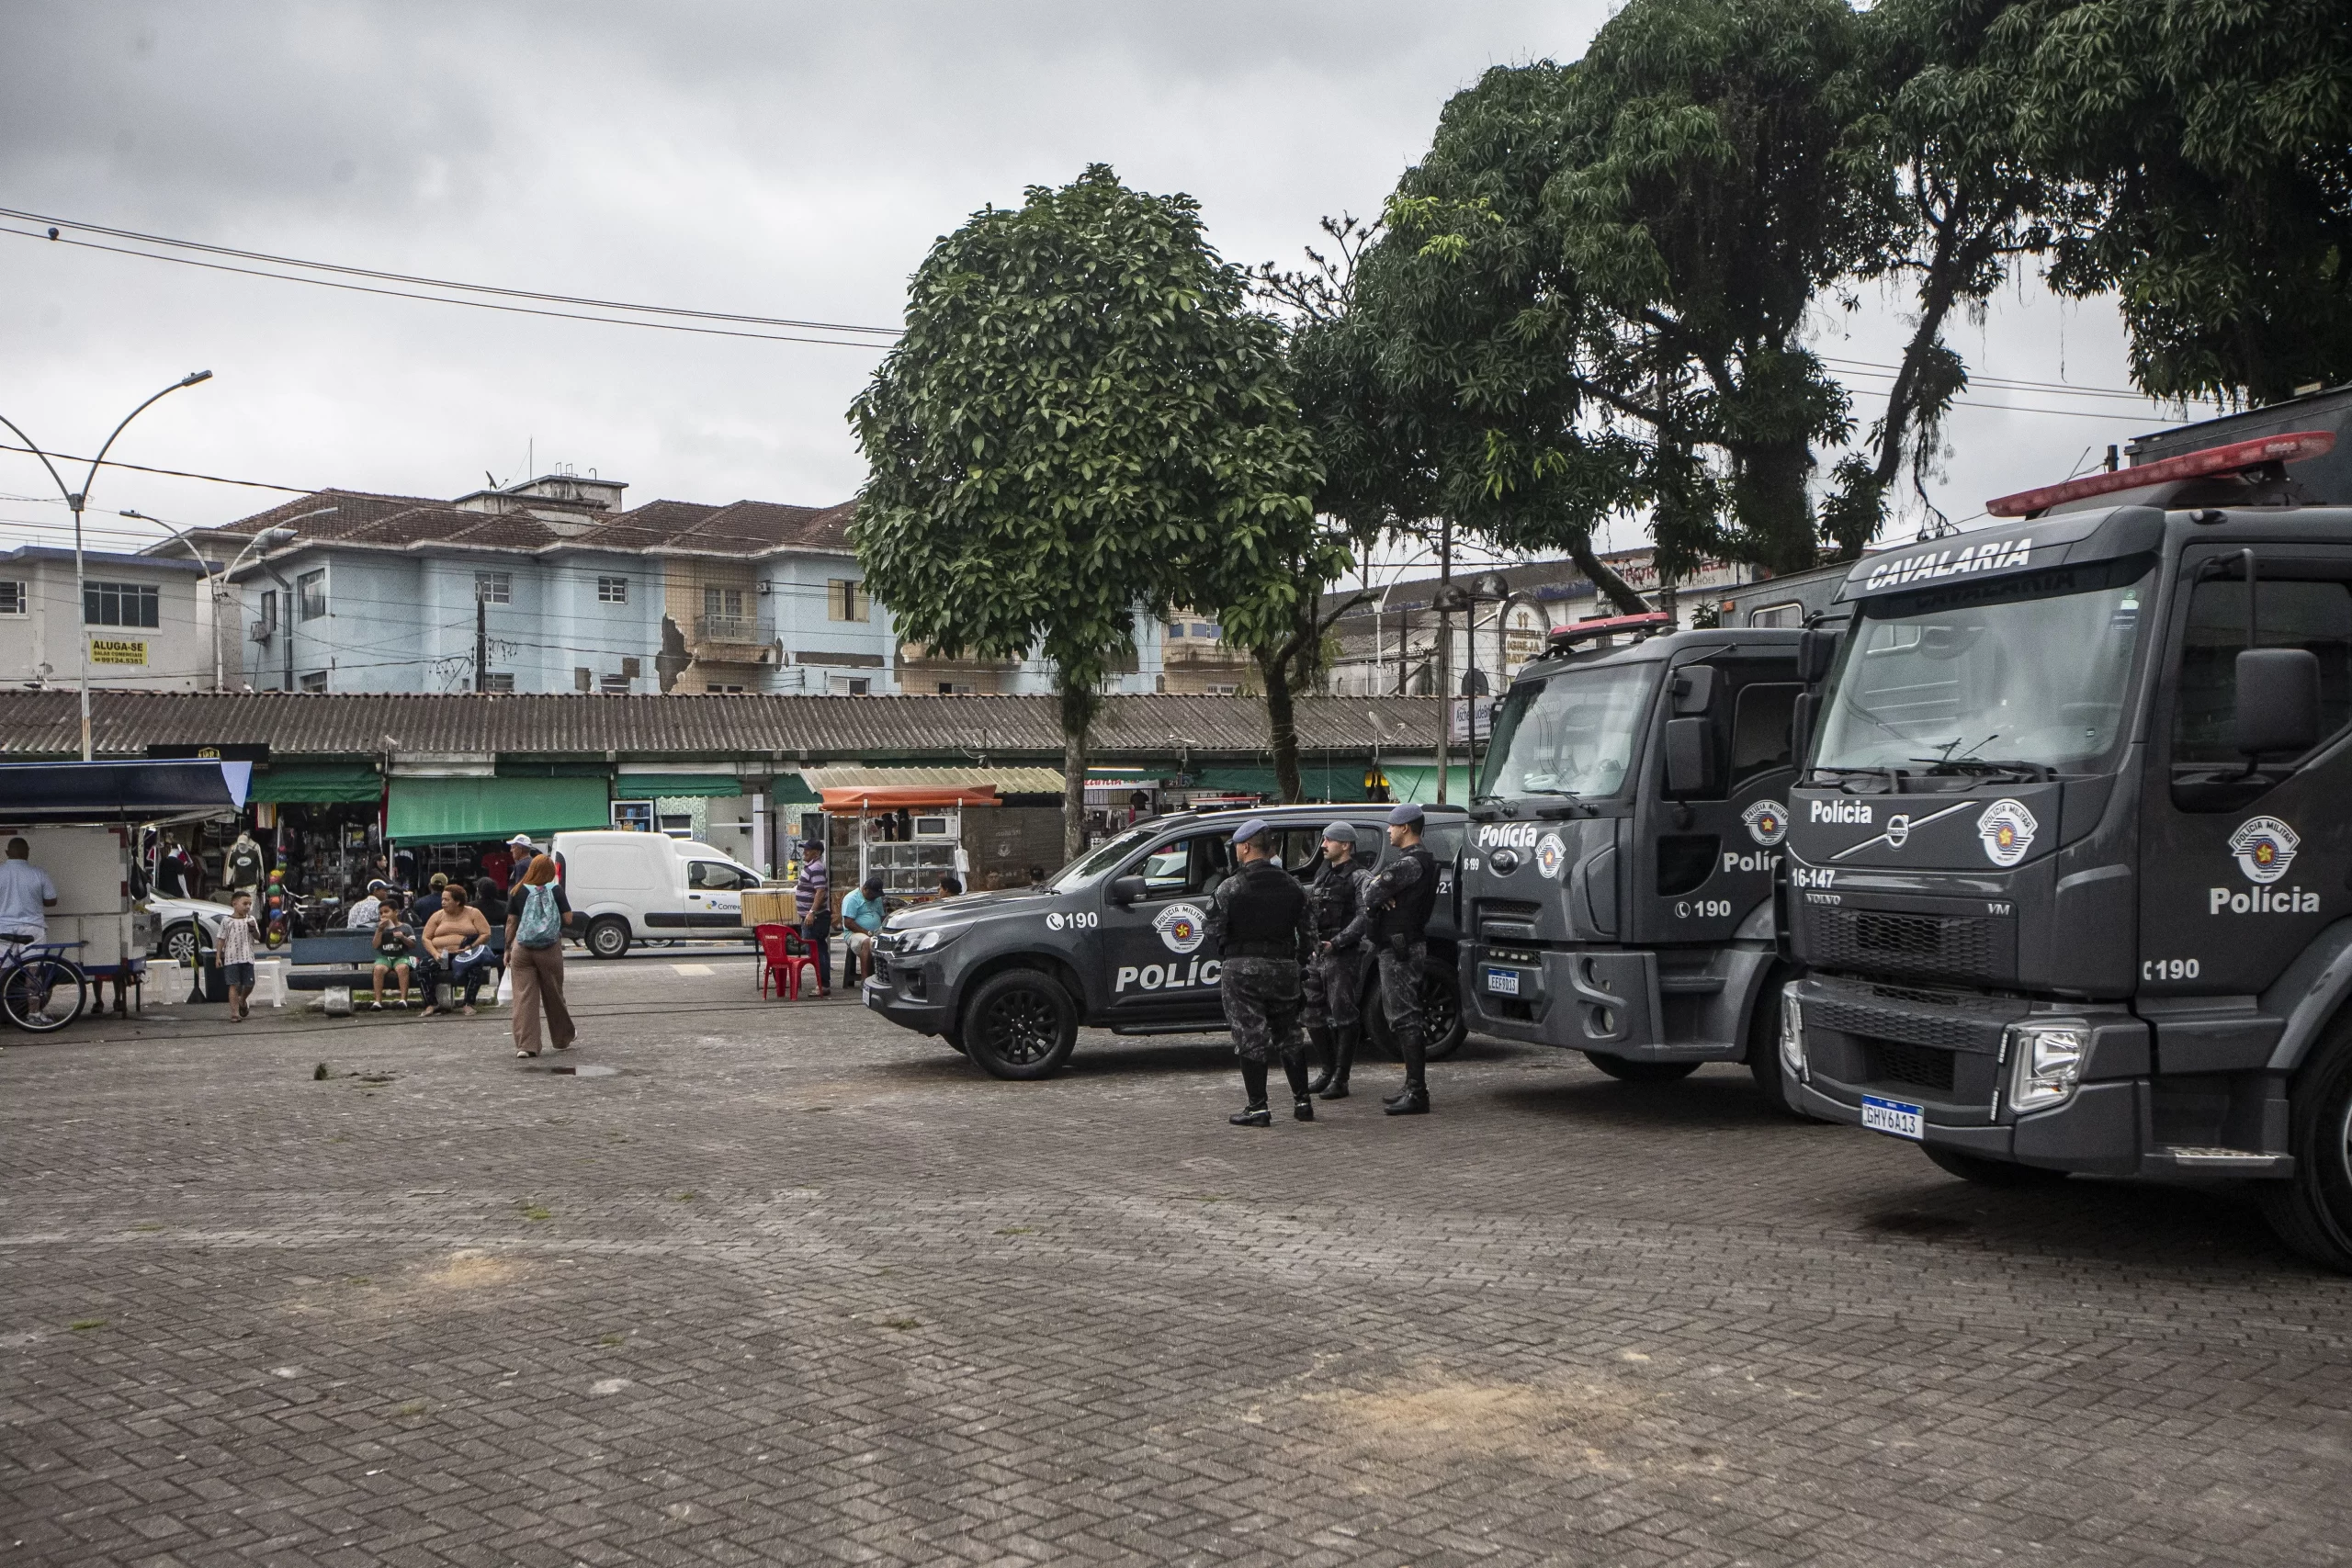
395 953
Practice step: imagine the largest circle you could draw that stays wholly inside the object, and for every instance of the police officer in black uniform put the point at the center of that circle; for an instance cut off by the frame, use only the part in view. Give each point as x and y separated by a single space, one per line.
1259 922
1334 978
1398 902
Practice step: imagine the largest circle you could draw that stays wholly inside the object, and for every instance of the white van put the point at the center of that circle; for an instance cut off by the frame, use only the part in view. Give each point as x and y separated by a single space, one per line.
629 888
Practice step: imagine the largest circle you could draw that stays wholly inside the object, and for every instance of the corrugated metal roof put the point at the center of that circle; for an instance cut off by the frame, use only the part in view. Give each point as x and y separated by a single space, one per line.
1008 781
735 727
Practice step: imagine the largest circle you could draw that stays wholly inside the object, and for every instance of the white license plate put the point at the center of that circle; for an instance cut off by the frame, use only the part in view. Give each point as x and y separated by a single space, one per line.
1894 1116
1502 982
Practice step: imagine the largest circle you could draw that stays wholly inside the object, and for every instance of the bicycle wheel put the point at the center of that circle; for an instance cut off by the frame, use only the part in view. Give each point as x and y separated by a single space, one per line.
42 994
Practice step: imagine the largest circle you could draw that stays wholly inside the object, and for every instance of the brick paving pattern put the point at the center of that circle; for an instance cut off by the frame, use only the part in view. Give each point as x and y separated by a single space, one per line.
793 1286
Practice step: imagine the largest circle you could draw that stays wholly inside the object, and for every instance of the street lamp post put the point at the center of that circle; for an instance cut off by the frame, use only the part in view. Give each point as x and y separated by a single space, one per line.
76 499
215 582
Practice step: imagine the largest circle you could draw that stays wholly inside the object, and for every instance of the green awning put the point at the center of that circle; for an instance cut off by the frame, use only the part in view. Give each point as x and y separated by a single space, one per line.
1236 781
428 811
317 783
671 786
1417 783
792 789
1322 778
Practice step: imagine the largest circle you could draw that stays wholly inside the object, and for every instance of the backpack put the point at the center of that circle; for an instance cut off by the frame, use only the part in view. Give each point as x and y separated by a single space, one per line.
538 925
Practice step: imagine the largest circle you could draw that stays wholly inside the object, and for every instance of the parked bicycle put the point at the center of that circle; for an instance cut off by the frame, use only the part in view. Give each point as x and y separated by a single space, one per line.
35 980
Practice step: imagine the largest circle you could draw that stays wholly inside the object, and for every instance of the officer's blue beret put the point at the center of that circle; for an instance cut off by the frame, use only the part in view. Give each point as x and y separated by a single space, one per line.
1340 833
1405 815
1250 830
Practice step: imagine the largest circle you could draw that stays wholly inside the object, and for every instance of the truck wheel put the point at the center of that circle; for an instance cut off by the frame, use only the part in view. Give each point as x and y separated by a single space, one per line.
1641 1072
2312 1210
1772 1080
608 937
1442 1029
1990 1172
1020 1024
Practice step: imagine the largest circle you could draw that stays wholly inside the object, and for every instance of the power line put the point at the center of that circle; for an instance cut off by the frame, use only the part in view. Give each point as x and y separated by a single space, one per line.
443 300
439 282
169 473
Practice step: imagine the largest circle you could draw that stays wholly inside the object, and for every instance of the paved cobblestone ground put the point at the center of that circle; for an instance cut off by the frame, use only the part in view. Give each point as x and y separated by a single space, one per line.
793 1286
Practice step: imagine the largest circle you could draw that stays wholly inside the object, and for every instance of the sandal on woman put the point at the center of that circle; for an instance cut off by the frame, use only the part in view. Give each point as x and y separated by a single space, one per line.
469 1011
526 1054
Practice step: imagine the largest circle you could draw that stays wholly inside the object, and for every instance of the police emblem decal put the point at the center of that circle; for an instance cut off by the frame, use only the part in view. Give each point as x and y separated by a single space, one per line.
2265 847
2006 829
1551 854
1182 927
1768 822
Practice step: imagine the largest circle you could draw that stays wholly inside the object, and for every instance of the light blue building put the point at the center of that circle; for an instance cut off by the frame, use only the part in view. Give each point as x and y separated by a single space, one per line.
551 586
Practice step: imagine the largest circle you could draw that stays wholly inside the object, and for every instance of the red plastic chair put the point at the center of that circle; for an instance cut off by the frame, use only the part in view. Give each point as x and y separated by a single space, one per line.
784 955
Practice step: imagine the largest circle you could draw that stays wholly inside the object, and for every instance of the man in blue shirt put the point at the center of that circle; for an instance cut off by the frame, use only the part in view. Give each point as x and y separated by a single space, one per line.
862 914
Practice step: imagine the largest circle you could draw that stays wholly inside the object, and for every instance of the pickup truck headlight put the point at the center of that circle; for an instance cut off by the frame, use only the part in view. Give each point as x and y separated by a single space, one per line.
2048 1061
927 940
1791 1033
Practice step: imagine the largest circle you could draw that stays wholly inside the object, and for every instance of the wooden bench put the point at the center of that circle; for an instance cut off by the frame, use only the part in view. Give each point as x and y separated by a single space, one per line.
347 958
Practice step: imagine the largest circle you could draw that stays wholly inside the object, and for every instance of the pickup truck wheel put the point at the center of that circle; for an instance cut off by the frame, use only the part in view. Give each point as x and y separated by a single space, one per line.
2312 1210
1990 1172
1628 1071
179 942
608 937
1020 1024
1442 1029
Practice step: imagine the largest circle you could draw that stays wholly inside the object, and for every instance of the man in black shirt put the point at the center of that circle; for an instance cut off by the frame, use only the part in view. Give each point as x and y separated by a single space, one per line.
1334 978
1397 901
1259 924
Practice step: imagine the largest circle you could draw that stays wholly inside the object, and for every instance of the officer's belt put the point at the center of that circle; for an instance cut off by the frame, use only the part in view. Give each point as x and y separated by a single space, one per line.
1260 950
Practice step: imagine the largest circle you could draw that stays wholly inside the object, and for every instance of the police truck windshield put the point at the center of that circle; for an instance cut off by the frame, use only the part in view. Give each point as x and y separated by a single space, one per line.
2023 678
1089 867
1570 735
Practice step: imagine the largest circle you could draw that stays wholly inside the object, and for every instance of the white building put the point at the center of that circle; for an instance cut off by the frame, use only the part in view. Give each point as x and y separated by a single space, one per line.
148 622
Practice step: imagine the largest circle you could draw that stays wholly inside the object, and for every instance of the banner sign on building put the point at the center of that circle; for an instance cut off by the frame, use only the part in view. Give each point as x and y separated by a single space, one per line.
119 650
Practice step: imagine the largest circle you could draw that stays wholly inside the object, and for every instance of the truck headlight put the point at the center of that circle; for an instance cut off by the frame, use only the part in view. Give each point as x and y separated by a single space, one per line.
1791 1033
2048 1060
929 938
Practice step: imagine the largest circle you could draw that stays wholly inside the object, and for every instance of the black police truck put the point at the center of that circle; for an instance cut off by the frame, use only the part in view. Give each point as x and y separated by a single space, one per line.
1119 939
1618 879
2068 865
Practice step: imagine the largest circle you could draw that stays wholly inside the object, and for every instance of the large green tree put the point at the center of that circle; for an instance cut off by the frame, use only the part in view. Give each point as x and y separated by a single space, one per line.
2216 138
1082 415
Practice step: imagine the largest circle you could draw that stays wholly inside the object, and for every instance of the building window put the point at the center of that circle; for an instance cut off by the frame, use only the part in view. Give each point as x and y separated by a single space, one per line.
120 605
1208 630
612 590
312 586
316 680
1225 689
846 601
725 688
1790 614
495 587
12 599
615 685
955 688
498 680
722 603
849 685
1175 629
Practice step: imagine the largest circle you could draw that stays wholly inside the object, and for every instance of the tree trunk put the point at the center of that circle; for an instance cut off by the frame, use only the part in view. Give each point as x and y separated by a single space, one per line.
1282 722
1080 701
1610 586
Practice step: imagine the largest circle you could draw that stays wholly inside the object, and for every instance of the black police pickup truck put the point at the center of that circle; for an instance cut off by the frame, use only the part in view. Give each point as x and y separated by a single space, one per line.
1118 939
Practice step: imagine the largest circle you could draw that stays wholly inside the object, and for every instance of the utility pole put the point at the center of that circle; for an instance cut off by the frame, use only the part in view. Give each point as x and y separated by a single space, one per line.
481 640
1445 652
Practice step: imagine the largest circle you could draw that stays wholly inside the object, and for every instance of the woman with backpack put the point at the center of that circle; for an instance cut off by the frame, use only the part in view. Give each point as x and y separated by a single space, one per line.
534 923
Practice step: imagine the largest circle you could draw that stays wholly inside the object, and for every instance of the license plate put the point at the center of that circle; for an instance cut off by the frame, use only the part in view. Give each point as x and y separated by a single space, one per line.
1893 1117
1502 982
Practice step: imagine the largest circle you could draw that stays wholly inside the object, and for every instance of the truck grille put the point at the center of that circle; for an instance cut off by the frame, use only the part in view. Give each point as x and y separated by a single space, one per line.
1515 915
1919 1066
1909 1026
1956 947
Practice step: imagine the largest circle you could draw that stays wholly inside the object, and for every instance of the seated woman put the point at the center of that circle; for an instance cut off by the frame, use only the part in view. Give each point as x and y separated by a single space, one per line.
395 953
457 948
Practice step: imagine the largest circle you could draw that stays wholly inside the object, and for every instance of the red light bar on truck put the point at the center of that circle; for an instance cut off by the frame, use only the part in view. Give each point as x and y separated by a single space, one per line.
2228 459
1576 632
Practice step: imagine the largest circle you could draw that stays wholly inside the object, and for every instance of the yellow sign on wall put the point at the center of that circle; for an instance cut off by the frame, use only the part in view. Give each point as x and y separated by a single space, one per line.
118 650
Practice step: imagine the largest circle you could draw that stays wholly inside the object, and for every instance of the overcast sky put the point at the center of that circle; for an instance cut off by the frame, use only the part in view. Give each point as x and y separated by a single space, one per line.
780 159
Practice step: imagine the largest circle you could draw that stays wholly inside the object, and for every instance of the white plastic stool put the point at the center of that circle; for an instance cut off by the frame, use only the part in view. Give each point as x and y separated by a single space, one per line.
269 982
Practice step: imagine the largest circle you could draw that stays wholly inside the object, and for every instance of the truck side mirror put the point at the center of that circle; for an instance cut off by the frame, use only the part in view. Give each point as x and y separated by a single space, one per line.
2277 701
1689 757
1817 651
1127 889
1694 688
1802 717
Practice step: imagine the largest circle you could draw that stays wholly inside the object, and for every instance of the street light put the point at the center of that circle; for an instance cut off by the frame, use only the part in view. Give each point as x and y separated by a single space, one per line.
76 499
268 538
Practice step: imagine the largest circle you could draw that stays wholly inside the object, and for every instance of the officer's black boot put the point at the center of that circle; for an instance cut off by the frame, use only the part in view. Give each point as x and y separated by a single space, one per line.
1415 1099
1343 1057
1255 1114
1328 1053
1301 1095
